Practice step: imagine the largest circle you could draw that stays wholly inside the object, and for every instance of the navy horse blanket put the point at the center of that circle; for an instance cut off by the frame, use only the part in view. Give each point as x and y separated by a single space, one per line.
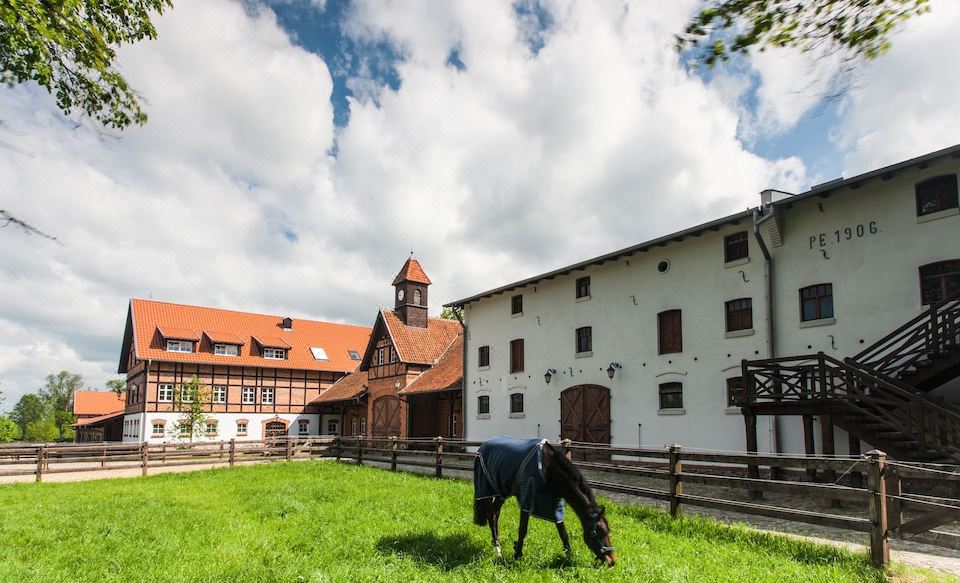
506 467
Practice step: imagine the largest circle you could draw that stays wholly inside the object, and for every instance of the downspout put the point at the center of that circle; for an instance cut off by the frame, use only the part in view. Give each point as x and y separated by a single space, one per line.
463 381
768 300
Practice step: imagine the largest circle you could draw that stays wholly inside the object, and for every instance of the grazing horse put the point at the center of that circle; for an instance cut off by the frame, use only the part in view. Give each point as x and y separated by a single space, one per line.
541 478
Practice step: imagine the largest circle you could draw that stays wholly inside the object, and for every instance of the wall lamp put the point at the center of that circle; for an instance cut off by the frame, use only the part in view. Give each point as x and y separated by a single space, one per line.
549 374
612 369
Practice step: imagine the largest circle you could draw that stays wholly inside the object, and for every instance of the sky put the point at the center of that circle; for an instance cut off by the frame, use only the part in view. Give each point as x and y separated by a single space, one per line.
297 151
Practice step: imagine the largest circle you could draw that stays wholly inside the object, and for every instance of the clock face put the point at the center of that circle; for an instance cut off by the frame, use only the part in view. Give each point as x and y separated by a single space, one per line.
400 295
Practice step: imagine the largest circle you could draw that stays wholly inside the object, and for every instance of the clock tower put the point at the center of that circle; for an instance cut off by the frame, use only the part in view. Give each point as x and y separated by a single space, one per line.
410 294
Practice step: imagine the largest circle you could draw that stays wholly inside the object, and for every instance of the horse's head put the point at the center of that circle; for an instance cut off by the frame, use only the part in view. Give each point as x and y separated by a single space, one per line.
597 537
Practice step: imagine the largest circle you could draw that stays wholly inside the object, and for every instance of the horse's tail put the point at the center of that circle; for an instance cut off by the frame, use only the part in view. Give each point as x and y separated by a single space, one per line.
480 511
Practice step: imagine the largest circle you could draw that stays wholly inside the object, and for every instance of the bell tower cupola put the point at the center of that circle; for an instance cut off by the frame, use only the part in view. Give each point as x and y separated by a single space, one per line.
410 294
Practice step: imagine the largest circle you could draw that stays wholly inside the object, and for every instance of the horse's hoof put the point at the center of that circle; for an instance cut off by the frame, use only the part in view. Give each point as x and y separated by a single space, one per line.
498 552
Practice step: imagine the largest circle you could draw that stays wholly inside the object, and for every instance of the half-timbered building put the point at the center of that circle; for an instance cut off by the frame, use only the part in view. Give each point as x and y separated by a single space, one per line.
409 380
263 372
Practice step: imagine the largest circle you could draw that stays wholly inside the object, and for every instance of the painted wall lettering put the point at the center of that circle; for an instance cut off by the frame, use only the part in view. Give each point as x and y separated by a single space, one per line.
844 234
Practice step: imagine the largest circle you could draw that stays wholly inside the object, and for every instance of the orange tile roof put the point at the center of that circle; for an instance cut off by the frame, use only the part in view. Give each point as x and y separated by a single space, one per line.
347 388
420 345
412 271
91 420
146 316
218 337
172 333
272 341
445 375
94 403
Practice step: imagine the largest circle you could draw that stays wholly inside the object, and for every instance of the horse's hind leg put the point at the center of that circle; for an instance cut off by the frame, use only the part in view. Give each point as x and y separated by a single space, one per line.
494 520
562 531
522 534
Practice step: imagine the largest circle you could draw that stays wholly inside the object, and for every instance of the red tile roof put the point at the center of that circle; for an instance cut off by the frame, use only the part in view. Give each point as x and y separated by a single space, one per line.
347 388
172 333
147 316
218 337
447 374
420 345
412 271
94 403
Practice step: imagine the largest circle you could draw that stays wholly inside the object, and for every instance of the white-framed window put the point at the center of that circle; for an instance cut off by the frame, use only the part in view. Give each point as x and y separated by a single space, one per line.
266 396
248 396
226 349
165 393
275 353
185 428
363 426
303 426
211 427
179 346
354 355
319 353
393 354
185 395
219 393
241 427
158 429
379 356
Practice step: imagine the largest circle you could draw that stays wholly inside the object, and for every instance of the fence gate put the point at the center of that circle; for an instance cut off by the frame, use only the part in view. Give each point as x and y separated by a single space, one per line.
585 414
386 417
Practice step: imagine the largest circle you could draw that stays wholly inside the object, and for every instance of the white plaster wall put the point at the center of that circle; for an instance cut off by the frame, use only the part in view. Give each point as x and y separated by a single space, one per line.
227 426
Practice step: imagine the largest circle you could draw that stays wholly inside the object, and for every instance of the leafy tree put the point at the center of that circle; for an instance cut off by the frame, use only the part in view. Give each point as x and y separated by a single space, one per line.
8 430
858 28
192 400
58 393
40 431
68 48
452 313
117 385
29 409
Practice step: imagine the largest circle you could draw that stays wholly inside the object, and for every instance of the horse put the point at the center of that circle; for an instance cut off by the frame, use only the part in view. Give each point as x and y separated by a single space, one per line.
541 478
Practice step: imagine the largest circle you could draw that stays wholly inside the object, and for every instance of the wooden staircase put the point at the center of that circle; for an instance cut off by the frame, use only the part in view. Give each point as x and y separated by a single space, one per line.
879 395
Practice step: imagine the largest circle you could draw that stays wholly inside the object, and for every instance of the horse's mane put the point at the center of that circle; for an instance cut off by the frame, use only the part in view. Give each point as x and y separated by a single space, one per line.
568 471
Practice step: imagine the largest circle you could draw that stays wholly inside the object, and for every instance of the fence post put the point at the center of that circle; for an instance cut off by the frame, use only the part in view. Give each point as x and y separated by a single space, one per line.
676 482
338 447
144 458
41 461
876 483
221 451
289 453
393 453
566 449
439 441
895 505
359 450
103 457
233 451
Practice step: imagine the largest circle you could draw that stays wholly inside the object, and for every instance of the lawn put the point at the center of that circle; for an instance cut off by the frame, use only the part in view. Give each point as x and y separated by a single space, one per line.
327 521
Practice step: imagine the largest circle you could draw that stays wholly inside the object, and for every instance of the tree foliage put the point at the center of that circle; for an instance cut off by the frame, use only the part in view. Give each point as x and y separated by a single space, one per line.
68 48
58 393
858 28
118 385
452 313
29 409
192 400
8 430
40 431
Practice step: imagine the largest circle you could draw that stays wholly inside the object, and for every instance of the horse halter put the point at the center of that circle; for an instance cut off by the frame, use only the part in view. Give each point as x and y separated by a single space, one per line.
596 537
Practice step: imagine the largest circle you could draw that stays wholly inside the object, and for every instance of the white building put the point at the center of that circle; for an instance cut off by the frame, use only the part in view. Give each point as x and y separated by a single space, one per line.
644 345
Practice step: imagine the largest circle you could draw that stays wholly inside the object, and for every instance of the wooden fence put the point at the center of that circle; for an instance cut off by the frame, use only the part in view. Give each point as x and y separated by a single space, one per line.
623 470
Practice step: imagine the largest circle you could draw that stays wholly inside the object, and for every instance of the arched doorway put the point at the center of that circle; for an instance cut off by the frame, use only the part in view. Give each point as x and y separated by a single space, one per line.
386 417
585 414
274 429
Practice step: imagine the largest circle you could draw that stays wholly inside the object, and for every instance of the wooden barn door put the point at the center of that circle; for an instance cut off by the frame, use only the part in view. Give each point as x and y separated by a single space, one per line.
386 417
585 415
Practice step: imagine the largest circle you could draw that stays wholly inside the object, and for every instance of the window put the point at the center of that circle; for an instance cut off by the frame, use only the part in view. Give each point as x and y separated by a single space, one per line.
354 355
318 353
266 396
158 429
241 427
165 393
670 331
179 346
185 428
735 247
516 355
936 194
363 426
226 349
219 394
247 397
483 405
211 427
416 297
303 426
186 395
516 403
734 391
671 396
516 304
739 314
584 339
393 354
816 302
939 281
583 287
275 353
379 356
483 356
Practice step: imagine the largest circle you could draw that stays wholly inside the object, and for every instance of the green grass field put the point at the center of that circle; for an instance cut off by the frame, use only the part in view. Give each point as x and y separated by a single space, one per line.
325 521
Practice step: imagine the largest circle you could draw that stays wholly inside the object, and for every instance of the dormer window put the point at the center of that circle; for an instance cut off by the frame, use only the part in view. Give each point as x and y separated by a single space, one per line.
179 346
226 349
275 353
287 324
354 355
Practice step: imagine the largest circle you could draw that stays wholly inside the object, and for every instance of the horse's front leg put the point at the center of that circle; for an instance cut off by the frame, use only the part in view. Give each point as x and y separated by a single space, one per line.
562 531
494 521
522 534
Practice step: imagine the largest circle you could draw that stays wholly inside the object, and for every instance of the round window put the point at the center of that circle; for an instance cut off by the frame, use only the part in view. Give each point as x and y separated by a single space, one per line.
663 266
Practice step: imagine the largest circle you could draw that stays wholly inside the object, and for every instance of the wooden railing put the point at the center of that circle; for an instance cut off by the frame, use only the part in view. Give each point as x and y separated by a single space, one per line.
934 332
818 378
625 470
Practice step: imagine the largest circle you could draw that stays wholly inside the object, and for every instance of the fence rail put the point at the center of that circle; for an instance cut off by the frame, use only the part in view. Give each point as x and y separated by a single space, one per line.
883 497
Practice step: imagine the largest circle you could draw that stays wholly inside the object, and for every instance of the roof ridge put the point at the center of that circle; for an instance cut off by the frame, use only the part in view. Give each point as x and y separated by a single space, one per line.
246 313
